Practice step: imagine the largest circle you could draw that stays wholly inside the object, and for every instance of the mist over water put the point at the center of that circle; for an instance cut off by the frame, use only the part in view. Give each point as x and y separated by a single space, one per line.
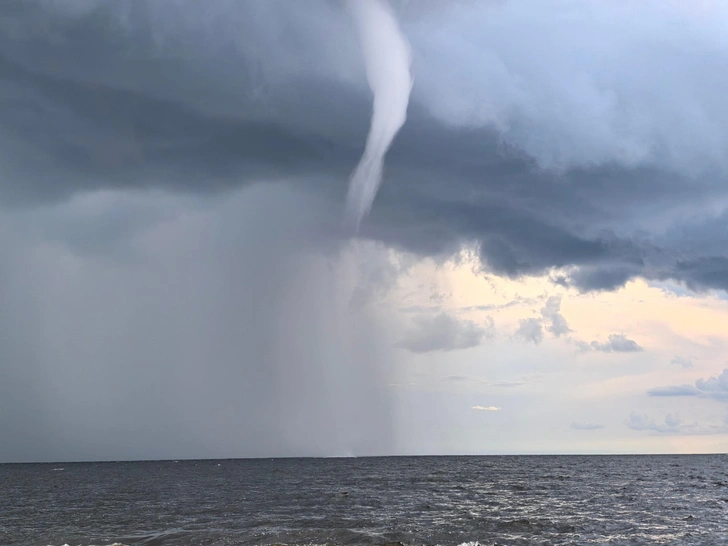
161 324
388 58
216 333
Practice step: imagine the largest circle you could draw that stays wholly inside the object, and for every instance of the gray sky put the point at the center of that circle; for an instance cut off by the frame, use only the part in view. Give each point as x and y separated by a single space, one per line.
544 269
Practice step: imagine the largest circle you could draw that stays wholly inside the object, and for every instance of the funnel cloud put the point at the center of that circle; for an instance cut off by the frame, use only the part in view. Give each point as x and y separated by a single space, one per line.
388 58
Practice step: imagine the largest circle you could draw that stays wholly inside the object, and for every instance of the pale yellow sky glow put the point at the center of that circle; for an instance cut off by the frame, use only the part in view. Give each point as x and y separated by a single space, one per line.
542 387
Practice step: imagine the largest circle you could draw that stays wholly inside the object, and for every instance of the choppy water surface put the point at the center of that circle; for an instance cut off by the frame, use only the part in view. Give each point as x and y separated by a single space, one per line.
423 500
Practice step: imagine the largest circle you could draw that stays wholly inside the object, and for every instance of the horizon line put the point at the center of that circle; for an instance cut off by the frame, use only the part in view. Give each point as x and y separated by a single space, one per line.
324 457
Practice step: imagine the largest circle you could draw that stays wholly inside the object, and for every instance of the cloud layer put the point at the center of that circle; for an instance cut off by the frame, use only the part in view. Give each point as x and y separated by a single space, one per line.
715 387
616 343
603 153
443 332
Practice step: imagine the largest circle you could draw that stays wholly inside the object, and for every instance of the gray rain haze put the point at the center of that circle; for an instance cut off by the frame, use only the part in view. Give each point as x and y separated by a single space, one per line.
173 279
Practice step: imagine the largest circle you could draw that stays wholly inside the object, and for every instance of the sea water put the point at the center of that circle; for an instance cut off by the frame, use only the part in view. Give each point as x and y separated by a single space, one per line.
410 500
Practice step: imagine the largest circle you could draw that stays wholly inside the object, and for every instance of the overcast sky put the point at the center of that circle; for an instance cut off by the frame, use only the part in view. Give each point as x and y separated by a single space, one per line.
544 270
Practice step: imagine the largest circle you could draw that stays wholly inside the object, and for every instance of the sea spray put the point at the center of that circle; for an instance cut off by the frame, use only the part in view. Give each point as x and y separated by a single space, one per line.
388 58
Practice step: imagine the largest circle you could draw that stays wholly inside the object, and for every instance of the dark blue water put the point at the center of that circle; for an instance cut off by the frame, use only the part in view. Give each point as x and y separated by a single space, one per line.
410 500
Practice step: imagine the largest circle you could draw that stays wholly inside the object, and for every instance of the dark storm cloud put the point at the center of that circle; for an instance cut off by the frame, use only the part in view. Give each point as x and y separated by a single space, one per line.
160 94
